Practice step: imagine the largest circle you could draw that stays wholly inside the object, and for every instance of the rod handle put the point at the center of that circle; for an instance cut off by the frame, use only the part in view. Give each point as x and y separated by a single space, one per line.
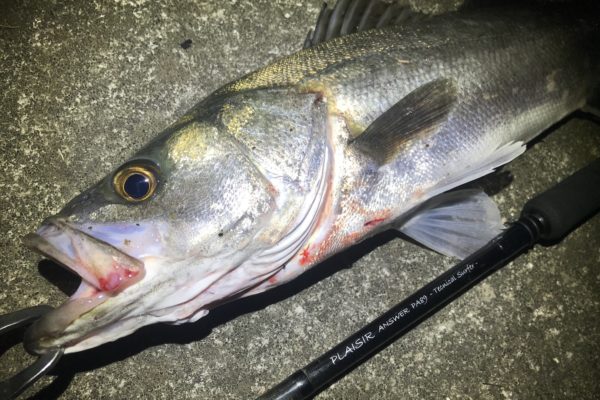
568 204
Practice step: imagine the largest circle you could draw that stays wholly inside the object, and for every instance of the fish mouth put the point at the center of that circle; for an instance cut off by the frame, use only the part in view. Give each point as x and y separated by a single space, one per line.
105 271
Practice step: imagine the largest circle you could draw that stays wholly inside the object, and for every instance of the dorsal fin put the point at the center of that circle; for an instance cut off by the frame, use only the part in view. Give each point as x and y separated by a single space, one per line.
350 16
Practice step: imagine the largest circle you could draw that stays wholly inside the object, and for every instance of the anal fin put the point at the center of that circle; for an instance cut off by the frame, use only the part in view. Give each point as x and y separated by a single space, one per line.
455 223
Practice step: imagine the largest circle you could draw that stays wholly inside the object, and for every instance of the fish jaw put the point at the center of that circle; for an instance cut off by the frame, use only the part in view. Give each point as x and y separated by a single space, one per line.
104 270
99 264
165 289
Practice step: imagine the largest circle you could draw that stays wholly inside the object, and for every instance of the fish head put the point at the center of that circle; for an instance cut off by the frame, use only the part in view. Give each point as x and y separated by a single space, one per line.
152 236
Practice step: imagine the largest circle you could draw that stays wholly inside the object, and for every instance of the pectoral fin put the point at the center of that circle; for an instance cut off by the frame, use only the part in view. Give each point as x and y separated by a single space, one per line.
456 223
416 116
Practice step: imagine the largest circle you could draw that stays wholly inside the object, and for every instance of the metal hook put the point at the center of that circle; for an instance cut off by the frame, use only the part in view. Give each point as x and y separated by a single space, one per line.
15 385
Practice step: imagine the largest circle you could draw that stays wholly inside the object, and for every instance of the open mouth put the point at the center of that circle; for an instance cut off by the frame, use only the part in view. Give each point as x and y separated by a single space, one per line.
104 271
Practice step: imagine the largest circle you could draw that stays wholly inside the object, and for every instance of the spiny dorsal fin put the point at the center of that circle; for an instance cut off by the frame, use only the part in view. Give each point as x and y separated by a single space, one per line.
350 16
417 115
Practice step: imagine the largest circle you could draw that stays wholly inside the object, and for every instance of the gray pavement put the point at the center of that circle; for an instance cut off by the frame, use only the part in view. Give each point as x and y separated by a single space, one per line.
84 84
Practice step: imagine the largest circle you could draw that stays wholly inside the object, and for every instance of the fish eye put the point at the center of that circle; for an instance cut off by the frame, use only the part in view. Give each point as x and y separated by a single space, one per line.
135 183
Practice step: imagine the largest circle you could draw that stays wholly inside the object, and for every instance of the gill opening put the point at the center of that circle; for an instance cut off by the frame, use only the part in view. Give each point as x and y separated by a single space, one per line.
277 255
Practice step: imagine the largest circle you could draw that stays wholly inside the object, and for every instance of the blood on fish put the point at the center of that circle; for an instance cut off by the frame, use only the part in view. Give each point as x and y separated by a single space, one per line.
110 283
114 279
419 192
305 257
130 273
272 190
273 280
374 222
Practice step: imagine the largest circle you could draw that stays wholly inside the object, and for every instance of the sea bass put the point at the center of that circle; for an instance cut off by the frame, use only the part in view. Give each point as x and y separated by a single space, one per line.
368 128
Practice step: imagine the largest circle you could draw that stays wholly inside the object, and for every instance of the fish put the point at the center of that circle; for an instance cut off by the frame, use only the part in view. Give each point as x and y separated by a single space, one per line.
374 125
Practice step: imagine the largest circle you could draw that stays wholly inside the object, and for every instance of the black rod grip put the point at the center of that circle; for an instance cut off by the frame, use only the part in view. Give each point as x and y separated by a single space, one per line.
568 204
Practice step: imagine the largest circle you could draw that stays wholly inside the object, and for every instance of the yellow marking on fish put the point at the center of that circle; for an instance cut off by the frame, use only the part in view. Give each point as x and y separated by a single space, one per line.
236 118
355 129
320 87
294 68
189 144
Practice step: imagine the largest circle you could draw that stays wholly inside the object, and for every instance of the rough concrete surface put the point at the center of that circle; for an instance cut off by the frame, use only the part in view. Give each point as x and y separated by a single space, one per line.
85 83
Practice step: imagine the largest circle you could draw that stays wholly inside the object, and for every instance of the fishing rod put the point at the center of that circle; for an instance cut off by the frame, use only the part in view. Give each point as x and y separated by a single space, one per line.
545 219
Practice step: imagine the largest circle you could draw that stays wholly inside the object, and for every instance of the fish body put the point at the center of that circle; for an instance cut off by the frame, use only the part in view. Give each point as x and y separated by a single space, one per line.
277 171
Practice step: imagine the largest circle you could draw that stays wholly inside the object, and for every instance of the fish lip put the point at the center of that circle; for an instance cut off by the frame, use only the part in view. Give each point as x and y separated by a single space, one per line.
86 256
62 242
46 333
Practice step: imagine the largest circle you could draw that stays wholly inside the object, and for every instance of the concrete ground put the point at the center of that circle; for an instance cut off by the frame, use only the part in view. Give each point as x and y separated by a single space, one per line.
83 84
